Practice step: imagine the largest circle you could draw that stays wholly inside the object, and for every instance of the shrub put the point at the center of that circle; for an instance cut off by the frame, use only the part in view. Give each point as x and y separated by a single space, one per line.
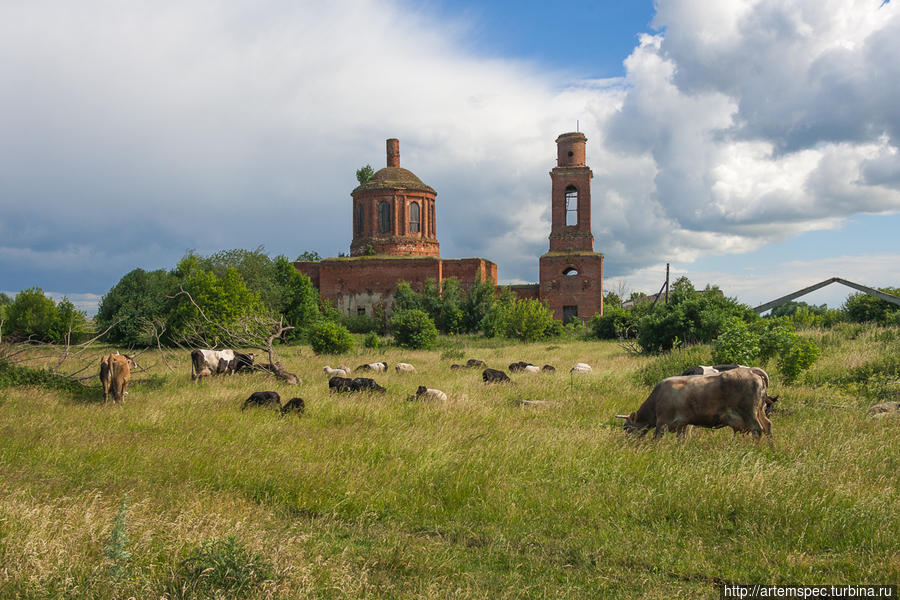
737 344
371 340
219 568
363 324
798 357
115 551
528 320
328 337
414 329
612 324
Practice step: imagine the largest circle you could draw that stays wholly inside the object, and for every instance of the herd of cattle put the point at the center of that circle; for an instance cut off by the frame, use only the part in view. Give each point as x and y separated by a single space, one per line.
716 396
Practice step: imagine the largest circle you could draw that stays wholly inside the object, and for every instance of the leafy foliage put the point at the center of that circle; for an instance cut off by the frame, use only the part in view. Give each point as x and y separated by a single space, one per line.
528 319
32 315
371 340
737 344
136 301
328 337
762 341
865 308
220 568
612 324
413 329
12 375
297 300
364 174
309 255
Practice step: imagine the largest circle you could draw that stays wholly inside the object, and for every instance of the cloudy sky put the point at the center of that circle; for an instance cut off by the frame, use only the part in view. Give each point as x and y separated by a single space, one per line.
751 144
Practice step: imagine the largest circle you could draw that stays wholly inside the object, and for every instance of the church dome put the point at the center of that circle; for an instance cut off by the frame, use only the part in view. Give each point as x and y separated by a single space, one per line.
394 178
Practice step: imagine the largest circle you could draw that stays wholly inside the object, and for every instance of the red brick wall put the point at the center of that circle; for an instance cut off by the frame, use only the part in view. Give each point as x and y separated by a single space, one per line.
467 270
528 291
584 290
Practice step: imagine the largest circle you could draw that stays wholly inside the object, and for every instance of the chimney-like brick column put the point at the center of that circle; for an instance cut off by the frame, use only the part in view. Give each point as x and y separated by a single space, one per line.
393 152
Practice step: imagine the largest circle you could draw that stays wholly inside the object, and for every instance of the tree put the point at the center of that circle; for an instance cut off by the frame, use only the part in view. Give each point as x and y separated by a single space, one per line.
31 315
328 337
364 174
612 300
414 329
297 299
134 305
255 268
865 308
69 324
476 304
309 255
528 319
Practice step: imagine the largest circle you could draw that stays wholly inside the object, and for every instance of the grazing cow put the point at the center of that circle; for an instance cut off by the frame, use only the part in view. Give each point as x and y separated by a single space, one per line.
424 393
378 367
474 362
404 368
517 367
212 362
339 372
531 369
296 405
583 368
494 376
115 373
734 399
266 399
548 369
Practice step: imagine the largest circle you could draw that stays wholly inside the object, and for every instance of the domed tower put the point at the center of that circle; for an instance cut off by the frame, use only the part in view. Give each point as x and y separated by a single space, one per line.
571 273
394 212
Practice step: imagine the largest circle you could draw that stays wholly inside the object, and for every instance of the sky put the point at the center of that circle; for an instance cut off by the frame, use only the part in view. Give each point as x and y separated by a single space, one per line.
751 144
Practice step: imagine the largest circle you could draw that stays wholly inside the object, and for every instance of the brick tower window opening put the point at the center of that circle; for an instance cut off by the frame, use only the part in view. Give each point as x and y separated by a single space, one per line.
360 222
414 217
432 224
571 206
384 217
569 313
570 272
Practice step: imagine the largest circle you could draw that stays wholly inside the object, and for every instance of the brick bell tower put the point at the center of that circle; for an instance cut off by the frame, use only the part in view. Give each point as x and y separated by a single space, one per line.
571 272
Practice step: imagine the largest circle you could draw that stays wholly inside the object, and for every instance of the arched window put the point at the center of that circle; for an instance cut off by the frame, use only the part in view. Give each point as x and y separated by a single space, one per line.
414 217
570 272
432 226
360 223
384 217
571 206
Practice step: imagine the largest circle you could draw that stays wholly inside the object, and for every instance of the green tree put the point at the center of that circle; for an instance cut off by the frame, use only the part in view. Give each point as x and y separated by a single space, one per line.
297 299
611 300
528 319
406 298
495 319
612 324
737 344
476 304
413 329
255 268
865 308
328 337
218 302
308 255
31 315
133 304
69 325
364 174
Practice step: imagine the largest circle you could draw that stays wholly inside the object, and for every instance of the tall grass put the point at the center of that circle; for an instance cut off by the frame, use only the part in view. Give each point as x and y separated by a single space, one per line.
374 496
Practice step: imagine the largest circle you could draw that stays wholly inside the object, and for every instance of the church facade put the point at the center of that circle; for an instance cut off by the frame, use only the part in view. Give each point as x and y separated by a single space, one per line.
395 239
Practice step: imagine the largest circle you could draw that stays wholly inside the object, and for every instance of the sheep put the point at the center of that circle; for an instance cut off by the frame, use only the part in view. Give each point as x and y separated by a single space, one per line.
581 368
339 372
404 368
424 393
378 367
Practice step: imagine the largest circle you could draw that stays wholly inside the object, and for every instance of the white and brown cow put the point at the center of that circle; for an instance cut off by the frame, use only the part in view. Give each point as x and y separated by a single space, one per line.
735 398
212 362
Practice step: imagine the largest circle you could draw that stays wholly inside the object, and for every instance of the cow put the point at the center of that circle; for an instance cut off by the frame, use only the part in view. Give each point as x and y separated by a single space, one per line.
424 393
265 399
517 367
735 398
548 369
705 370
404 368
582 368
115 373
378 367
296 405
339 372
212 362
494 376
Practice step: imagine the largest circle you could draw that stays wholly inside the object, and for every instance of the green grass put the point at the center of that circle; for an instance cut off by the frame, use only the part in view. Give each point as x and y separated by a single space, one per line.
374 496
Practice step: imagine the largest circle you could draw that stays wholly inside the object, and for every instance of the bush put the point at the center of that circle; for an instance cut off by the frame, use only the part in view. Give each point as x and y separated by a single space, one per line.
865 308
414 329
32 315
371 340
737 344
363 324
220 568
612 324
328 337
528 320
770 339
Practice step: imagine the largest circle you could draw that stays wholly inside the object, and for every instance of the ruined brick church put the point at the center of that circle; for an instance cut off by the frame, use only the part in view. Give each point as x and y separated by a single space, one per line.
395 239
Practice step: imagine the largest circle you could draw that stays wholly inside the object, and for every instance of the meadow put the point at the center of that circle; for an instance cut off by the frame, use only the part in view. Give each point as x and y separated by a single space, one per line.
177 493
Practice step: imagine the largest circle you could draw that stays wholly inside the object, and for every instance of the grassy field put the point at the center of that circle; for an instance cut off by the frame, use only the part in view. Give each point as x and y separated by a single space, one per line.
374 496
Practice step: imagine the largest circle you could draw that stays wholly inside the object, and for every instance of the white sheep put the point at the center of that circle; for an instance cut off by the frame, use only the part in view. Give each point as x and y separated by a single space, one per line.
581 368
424 393
339 372
404 368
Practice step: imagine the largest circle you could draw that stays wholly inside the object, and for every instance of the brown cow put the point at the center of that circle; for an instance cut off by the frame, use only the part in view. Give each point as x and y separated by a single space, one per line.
115 372
735 399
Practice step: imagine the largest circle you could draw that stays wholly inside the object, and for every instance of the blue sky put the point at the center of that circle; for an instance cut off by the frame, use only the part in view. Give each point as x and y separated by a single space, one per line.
752 144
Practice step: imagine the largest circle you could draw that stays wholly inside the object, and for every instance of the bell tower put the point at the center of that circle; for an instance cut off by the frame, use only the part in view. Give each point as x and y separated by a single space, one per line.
571 272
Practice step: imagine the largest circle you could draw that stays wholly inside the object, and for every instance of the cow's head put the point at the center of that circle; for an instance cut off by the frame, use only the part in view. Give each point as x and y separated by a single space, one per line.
631 424
770 403
131 362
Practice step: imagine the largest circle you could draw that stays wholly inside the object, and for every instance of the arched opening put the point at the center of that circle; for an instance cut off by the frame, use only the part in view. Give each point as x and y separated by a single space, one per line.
384 217
360 223
414 217
571 206
432 226
570 272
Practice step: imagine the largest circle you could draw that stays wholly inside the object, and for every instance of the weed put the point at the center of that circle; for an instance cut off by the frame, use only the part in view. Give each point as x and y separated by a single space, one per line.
219 567
115 551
